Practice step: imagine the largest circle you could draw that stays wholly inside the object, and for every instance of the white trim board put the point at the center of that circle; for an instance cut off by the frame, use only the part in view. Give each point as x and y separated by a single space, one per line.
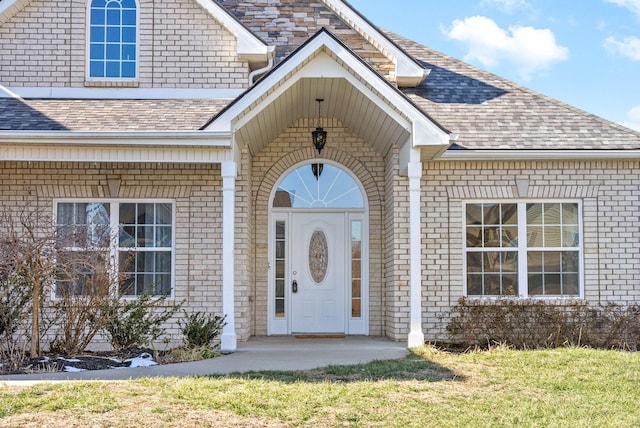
118 93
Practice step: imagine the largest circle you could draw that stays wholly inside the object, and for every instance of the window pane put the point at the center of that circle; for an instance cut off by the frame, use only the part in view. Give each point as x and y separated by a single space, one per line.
128 17
492 236
163 236
280 308
510 236
509 260
128 54
509 214
145 236
129 35
491 214
112 69
356 287
163 261
552 236
474 236
570 214
535 261
97 34
113 16
570 236
570 261
492 285
280 288
280 230
535 284
356 268
570 284
96 51
474 262
551 261
113 36
534 236
356 308
474 214
97 17
280 249
510 285
534 214
318 186
474 285
551 213
491 261
552 284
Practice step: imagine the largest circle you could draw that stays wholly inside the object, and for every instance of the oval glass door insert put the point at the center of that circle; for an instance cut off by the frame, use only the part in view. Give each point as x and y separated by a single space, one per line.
318 256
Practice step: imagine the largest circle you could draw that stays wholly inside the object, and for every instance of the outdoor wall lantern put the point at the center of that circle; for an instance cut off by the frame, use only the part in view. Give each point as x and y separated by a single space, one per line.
319 136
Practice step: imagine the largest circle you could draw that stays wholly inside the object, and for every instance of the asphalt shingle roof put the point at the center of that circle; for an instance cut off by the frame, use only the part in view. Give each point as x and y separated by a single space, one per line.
106 115
489 112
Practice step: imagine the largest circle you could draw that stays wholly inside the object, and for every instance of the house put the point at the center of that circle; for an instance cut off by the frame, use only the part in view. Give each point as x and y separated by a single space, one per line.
187 126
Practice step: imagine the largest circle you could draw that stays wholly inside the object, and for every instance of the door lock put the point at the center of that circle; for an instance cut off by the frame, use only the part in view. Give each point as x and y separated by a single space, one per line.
294 286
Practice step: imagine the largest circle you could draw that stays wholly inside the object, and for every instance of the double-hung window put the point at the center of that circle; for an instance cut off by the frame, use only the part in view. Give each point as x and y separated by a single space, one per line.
134 239
525 249
113 39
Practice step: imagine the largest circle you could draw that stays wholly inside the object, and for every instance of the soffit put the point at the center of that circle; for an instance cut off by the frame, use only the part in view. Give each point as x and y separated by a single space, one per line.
343 102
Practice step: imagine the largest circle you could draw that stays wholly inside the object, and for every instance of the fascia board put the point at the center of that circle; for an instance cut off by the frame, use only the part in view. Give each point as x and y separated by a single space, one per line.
249 46
408 72
471 155
50 92
129 139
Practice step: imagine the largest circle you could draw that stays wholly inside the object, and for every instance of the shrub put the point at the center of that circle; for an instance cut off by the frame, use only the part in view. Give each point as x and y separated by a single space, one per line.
534 323
200 329
138 322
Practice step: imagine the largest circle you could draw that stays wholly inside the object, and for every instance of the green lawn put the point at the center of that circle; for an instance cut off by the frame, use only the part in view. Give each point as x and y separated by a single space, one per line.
563 387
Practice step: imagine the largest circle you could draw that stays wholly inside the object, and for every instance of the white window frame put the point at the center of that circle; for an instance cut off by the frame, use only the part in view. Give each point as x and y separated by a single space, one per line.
114 247
523 249
88 76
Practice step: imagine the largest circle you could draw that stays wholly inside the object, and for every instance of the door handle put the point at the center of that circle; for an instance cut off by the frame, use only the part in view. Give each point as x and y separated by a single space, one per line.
294 286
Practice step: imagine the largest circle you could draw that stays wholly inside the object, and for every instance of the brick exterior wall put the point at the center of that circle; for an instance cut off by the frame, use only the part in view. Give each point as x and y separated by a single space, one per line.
181 46
610 195
196 190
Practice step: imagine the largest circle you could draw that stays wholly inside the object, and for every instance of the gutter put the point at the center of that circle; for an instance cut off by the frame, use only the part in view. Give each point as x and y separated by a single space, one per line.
471 155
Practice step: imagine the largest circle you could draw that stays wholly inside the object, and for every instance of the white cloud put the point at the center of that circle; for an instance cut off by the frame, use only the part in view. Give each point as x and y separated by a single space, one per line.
508 6
628 47
633 119
632 5
529 49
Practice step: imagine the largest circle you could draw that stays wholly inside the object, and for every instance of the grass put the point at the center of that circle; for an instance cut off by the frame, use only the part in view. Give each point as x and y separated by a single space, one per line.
551 388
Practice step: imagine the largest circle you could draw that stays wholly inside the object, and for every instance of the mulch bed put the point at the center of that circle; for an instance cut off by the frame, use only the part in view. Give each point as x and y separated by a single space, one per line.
87 361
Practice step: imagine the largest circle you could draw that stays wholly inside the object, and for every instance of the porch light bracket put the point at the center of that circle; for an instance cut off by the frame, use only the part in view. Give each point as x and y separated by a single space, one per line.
319 136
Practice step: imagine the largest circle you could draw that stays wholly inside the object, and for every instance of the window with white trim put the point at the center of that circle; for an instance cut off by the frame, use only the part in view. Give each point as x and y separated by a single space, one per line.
135 240
113 36
526 249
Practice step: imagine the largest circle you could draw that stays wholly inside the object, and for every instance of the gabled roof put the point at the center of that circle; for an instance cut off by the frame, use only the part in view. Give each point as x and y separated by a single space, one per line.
321 66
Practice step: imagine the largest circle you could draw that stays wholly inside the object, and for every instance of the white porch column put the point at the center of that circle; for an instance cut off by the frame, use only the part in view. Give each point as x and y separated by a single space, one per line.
416 336
228 339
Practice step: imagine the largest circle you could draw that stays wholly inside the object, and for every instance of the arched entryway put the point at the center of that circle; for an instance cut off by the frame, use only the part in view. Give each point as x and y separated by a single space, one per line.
318 251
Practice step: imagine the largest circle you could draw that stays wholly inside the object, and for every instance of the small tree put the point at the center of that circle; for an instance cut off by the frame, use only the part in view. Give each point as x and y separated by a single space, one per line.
27 268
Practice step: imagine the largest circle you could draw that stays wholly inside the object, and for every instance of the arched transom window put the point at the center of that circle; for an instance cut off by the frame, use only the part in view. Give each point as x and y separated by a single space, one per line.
113 34
318 185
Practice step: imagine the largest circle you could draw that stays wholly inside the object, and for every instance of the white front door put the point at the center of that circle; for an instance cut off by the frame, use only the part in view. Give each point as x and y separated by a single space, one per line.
318 272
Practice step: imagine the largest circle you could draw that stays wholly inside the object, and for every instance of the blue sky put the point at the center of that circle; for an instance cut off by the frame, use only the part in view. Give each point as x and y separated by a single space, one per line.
583 52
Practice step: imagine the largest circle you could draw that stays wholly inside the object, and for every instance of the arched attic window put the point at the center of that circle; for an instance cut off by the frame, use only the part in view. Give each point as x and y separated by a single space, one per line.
113 39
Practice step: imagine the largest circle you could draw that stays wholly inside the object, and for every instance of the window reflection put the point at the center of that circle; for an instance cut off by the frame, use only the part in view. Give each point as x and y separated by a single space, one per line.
318 186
